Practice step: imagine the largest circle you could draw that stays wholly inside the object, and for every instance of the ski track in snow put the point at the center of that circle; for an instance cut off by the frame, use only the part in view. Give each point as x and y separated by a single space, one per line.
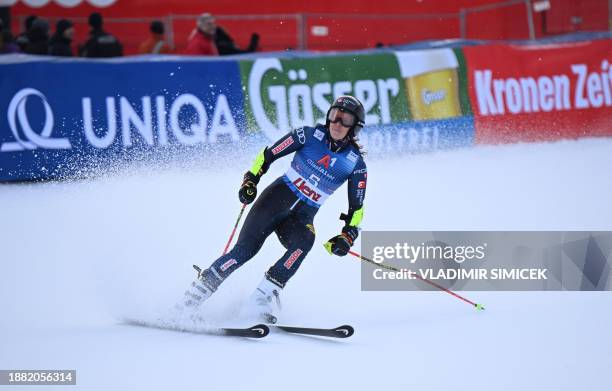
78 256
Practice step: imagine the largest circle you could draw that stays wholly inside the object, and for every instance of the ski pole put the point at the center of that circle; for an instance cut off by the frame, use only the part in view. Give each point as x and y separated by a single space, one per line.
477 306
234 230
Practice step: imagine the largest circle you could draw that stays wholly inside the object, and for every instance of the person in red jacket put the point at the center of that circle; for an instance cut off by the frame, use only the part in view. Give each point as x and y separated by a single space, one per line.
155 44
202 39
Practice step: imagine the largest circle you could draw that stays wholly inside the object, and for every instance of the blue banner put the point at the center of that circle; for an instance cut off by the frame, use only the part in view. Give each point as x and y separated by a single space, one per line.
418 136
62 115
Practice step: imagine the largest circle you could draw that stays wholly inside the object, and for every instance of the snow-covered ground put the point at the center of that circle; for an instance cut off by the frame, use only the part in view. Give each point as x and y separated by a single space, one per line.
76 257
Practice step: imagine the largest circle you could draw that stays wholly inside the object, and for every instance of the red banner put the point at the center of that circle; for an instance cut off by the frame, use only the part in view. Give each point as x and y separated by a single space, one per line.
540 92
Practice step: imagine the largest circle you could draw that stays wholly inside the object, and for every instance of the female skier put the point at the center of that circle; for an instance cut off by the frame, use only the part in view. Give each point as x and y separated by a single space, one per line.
325 157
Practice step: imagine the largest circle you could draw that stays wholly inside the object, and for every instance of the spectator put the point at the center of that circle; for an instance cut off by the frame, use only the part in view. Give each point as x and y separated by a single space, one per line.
226 45
38 37
6 41
202 39
100 43
22 39
155 44
59 45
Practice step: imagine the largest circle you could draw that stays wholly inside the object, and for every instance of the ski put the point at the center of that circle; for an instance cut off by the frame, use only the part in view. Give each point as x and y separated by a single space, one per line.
257 331
344 331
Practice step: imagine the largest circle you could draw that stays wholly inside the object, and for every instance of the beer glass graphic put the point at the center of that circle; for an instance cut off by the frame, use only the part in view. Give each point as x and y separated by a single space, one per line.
432 83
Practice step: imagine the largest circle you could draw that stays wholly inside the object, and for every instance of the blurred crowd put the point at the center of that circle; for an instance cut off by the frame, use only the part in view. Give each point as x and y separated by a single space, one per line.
206 39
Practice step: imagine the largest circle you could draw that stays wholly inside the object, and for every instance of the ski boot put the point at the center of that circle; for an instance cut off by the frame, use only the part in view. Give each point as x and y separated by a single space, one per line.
264 303
186 312
202 288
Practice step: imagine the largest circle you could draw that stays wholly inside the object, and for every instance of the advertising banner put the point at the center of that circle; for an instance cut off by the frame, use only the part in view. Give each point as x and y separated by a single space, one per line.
418 136
283 94
414 101
62 114
540 92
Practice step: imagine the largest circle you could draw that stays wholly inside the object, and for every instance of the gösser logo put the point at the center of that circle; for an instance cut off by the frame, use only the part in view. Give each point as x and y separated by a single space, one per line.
17 114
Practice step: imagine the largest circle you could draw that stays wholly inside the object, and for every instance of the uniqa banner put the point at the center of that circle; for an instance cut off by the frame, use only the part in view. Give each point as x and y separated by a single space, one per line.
62 114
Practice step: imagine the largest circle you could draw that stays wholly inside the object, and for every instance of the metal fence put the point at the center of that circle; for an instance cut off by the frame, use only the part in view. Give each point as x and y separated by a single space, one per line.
298 31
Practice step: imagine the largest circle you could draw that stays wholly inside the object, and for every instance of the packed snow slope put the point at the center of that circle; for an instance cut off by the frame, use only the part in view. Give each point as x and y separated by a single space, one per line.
79 256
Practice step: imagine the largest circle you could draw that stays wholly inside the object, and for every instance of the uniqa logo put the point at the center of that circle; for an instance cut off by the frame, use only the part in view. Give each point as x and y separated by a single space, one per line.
17 114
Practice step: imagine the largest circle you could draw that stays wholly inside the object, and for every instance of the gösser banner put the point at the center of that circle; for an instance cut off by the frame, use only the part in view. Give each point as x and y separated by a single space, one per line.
540 92
414 101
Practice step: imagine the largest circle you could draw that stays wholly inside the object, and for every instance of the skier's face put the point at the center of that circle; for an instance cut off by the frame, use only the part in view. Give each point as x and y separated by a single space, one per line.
340 123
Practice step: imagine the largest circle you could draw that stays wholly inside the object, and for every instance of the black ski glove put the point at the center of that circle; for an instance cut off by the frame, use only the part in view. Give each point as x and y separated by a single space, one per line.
341 244
248 189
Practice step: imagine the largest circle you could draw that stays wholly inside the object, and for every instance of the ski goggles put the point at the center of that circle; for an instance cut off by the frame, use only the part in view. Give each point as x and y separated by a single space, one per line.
336 115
